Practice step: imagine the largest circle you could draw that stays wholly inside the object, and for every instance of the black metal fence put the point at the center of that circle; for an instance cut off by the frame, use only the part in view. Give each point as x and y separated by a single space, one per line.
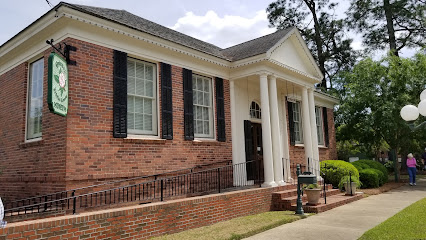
55 197
219 179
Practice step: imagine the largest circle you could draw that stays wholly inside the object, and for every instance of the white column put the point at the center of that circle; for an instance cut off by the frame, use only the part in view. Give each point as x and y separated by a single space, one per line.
307 134
266 133
275 127
285 145
314 134
233 122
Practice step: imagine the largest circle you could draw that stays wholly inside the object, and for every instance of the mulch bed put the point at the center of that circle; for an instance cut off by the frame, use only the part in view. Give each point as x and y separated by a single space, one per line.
386 187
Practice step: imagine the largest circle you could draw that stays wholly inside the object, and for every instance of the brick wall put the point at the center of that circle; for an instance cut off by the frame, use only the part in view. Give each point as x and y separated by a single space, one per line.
79 150
93 153
28 168
142 222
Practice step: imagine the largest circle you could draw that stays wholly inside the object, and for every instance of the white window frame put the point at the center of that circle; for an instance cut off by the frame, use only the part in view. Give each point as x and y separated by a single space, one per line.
297 113
211 134
319 125
37 136
134 133
255 111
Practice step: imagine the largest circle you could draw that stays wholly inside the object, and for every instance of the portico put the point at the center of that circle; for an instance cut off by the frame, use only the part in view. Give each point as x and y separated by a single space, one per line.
273 83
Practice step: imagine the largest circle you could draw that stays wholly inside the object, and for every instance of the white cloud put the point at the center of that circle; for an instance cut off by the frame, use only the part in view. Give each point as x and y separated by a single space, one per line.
357 45
223 31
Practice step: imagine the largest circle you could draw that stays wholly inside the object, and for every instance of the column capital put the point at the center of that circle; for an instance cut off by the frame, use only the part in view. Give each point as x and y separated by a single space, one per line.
272 77
263 74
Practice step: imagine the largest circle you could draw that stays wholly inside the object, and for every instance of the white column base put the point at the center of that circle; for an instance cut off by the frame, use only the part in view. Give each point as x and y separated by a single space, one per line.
281 183
269 184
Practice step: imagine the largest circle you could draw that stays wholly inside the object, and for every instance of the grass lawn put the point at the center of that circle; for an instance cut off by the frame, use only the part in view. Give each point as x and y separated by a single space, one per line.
407 224
237 228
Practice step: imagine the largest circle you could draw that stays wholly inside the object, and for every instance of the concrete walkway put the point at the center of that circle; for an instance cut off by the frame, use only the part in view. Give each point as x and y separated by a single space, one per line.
352 220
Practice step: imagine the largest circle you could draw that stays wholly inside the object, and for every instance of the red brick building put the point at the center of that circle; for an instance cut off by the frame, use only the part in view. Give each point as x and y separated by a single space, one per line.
144 99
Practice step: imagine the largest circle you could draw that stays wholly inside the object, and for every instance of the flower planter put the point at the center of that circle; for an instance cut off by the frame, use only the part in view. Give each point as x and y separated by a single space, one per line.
352 187
313 196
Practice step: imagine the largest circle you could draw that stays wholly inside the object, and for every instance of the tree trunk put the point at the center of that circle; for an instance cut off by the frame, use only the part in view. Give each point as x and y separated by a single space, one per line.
389 24
318 41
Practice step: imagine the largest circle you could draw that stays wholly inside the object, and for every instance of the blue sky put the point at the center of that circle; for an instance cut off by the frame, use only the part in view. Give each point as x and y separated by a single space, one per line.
220 22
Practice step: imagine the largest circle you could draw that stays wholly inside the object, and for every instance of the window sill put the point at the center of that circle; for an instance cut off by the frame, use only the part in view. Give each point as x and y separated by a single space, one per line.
300 145
322 147
32 143
208 142
145 140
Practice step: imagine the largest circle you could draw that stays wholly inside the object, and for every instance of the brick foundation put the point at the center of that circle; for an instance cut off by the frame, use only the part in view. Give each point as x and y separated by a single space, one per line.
142 222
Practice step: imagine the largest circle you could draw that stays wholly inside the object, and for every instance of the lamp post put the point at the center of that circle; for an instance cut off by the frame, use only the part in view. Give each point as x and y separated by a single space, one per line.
410 113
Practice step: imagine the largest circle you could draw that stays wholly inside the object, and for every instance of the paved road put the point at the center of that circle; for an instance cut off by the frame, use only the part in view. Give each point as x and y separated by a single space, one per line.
349 221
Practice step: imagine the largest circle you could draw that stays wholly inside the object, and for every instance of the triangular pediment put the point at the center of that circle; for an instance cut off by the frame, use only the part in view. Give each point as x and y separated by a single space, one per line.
293 53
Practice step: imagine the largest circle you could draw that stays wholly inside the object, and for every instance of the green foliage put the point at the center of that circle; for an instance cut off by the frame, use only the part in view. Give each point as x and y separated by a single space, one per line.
347 179
359 165
376 165
312 186
389 166
371 98
369 178
389 24
325 37
334 170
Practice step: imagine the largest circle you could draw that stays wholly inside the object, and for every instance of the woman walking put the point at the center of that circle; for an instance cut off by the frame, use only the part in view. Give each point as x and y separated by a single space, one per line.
411 166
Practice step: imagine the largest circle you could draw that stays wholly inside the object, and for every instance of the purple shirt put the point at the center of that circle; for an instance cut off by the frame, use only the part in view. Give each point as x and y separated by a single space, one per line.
411 162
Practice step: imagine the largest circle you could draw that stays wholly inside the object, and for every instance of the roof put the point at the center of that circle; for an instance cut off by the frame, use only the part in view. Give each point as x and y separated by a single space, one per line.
244 50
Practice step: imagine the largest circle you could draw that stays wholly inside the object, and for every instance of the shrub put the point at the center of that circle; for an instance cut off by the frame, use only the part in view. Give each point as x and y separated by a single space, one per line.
378 166
369 178
360 165
334 170
389 166
345 179
380 175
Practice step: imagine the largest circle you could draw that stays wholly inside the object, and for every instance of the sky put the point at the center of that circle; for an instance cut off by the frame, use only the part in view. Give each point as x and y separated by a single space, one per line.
223 23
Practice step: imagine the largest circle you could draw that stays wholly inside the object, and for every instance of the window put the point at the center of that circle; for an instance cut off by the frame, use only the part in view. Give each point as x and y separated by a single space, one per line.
298 136
141 97
320 132
255 111
203 112
35 100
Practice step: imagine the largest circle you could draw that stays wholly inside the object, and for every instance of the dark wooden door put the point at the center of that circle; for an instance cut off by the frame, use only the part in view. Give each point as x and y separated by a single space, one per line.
254 150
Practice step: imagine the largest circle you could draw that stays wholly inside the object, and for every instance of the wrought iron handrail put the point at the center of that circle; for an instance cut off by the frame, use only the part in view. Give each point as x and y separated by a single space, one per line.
204 181
63 194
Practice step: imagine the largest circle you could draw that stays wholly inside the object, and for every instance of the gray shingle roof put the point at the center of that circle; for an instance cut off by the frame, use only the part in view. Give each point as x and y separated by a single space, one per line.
244 50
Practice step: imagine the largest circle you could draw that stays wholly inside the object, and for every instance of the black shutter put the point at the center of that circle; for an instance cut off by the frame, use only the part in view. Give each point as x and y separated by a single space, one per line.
166 101
188 105
120 95
220 108
325 122
291 123
248 140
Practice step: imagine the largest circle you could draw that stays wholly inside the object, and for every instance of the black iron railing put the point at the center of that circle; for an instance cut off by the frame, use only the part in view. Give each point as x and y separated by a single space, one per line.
54 197
196 183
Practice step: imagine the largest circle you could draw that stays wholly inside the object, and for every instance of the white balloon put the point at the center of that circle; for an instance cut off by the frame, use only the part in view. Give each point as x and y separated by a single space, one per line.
422 107
423 95
409 113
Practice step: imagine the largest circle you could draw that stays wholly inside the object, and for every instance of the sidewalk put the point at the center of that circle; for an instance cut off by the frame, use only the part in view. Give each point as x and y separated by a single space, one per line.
349 221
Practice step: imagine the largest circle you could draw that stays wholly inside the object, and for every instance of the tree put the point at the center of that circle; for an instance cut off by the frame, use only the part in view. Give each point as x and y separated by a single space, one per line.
371 98
396 24
324 34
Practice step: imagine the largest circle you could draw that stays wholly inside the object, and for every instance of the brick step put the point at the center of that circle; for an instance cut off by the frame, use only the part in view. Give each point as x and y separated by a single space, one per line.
332 202
285 203
292 192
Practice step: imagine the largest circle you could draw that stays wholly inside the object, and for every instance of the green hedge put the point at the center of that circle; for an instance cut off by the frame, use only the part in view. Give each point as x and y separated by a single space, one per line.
375 165
334 170
360 165
369 178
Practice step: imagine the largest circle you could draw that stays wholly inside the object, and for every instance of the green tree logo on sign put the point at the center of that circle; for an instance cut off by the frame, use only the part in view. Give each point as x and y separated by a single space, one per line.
57 85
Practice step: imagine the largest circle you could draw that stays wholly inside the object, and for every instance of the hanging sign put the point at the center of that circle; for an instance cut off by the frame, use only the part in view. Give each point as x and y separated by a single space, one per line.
57 80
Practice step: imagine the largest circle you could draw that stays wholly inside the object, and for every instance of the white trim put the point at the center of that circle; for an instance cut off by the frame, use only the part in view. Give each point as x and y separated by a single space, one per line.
143 137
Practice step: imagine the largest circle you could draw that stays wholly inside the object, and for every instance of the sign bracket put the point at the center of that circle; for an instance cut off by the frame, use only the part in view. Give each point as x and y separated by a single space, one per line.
66 52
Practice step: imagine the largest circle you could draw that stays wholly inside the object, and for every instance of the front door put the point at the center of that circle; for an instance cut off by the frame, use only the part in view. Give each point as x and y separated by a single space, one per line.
254 150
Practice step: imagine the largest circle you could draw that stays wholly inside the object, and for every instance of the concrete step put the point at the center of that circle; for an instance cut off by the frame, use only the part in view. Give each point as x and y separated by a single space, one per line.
286 202
332 202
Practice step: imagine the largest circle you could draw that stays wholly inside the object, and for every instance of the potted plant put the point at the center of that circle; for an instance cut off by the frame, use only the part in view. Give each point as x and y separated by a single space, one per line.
350 183
313 193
